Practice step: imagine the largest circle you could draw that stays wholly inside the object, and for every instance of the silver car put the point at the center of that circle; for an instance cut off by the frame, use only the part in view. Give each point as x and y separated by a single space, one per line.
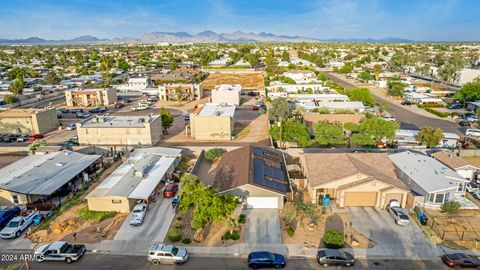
138 214
398 213
167 254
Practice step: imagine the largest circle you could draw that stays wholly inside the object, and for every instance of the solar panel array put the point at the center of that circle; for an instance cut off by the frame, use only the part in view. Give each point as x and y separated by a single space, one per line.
268 176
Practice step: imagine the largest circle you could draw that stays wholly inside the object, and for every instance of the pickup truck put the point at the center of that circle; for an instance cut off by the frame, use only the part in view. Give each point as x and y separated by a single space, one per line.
17 225
59 251
7 213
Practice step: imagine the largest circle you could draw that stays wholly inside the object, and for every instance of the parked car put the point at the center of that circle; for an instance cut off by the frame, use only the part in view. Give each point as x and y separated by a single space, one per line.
71 127
98 110
167 254
17 225
398 213
153 98
23 138
63 110
458 260
258 106
9 138
76 111
120 105
265 259
147 102
82 115
170 190
389 118
471 118
186 117
328 257
455 106
253 94
464 123
59 251
138 214
140 108
476 194
406 103
7 213
473 132
471 187
35 137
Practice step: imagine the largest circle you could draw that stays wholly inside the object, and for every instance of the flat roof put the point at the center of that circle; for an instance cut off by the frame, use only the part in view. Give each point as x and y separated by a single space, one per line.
44 174
229 87
20 112
211 109
110 121
87 89
332 105
138 176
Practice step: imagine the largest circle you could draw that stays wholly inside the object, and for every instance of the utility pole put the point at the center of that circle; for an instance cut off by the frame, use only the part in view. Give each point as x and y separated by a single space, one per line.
279 123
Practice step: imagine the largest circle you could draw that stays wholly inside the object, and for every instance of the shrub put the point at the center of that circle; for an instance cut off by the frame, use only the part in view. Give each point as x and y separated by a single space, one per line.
333 239
179 218
231 236
242 219
196 224
431 106
438 113
174 236
290 231
186 241
214 153
450 206
98 216
178 224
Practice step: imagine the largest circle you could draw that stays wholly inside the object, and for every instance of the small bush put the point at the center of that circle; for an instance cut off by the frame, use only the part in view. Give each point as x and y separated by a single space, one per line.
431 106
231 236
186 241
174 236
290 231
438 113
178 224
242 219
450 206
179 218
214 154
333 239
196 224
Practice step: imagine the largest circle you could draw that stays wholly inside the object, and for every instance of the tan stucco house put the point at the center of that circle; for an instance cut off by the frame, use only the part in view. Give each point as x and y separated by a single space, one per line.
28 121
353 179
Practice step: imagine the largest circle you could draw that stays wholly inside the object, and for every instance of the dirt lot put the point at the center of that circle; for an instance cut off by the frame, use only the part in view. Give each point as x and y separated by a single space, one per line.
6 160
248 80
474 160
312 235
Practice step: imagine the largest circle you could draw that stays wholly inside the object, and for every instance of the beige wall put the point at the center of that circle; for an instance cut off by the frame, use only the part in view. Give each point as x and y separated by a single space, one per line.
123 204
97 97
150 134
195 90
211 128
39 122
7 197
253 191
229 97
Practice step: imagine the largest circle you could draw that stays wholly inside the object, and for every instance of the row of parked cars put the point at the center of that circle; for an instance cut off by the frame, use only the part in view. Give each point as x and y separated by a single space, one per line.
8 138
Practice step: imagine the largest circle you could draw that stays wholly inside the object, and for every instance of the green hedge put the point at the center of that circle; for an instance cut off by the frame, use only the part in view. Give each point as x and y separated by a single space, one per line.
231 236
333 239
242 219
431 106
174 236
438 113
186 241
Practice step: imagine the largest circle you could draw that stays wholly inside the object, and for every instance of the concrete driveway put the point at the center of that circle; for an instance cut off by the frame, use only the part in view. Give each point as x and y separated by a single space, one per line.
263 226
155 226
379 227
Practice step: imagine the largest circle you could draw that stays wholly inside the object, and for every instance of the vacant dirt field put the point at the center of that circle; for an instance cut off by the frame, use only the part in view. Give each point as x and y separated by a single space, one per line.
249 81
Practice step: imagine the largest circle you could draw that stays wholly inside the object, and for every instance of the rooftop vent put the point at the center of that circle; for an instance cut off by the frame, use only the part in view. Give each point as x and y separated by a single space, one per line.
60 164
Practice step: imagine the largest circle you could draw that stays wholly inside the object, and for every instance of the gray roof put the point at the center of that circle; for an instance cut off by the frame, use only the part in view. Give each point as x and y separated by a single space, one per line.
44 174
109 121
138 176
428 173
211 109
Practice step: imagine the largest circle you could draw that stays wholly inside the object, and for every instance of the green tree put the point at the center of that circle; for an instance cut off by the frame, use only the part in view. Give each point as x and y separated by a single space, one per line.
333 239
322 76
52 78
362 140
214 153
361 94
395 87
450 207
365 75
285 56
279 109
469 92
17 86
292 131
167 119
123 65
328 134
288 80
378 128
347 68
34 146
430 137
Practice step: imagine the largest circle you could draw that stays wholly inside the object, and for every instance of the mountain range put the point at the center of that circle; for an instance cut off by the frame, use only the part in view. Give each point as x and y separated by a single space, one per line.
184 37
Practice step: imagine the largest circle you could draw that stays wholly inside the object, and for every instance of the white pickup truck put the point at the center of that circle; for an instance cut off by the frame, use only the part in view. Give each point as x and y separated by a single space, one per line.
17 225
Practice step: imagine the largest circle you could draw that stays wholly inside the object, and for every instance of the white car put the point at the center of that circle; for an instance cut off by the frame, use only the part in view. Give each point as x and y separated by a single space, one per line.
140 108
138 214
71 127
472 118
389 118
472 132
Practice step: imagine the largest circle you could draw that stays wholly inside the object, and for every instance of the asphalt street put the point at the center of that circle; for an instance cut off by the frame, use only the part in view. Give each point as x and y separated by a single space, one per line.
99 262
406 118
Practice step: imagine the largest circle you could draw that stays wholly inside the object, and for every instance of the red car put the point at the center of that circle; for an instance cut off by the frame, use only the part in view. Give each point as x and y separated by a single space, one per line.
461 260
35 137
258 106
170 190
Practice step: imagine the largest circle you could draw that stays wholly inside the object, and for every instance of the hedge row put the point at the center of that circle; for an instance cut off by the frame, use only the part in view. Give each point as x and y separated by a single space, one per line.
438 113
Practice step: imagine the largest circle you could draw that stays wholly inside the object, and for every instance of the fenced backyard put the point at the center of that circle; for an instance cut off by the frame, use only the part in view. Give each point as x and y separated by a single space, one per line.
456 228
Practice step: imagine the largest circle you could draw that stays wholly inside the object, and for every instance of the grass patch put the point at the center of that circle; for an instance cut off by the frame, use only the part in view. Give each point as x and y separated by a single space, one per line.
98 216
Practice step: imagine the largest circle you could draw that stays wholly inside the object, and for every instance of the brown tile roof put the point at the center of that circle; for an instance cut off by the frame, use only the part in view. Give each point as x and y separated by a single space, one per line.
451 160
311 118
325 167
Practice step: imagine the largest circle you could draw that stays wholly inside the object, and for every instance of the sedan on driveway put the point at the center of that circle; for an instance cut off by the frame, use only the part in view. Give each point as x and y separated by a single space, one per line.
170 190
138 214
463 260
476 194
398 213
471 187
328 257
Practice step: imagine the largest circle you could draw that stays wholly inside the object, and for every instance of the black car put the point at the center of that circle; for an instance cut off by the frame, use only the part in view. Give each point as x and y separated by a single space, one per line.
253 94
464 123
98 110
454 106
9 138
328 257
406 103
76 110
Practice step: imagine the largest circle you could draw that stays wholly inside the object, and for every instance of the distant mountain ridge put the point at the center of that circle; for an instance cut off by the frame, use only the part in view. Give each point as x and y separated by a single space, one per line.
202 37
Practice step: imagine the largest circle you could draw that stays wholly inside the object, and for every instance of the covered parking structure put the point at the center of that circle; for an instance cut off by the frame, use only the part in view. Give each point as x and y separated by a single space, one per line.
139 178
46 178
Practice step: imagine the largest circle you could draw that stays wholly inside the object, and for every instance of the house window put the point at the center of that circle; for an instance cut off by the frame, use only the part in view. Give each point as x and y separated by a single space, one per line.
439 198
15 198
460 187
431 196
116 201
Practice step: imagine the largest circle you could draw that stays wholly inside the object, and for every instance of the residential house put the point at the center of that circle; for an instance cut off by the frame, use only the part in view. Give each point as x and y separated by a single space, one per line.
407 137
352 179
461 166
311 118
431 182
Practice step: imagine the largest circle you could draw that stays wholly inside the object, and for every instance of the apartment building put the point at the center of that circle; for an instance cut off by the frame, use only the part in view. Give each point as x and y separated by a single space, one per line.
213 122
28 121
180 91
227 93
91 97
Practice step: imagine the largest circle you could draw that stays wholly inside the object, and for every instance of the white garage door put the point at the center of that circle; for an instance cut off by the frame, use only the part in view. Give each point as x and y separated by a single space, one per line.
262 202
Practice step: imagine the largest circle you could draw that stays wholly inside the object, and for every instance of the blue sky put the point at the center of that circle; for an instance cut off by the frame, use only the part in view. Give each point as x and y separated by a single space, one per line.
414 19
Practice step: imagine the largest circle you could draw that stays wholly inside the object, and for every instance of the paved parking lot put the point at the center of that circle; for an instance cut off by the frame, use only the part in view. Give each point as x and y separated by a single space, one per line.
379 227
263 226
